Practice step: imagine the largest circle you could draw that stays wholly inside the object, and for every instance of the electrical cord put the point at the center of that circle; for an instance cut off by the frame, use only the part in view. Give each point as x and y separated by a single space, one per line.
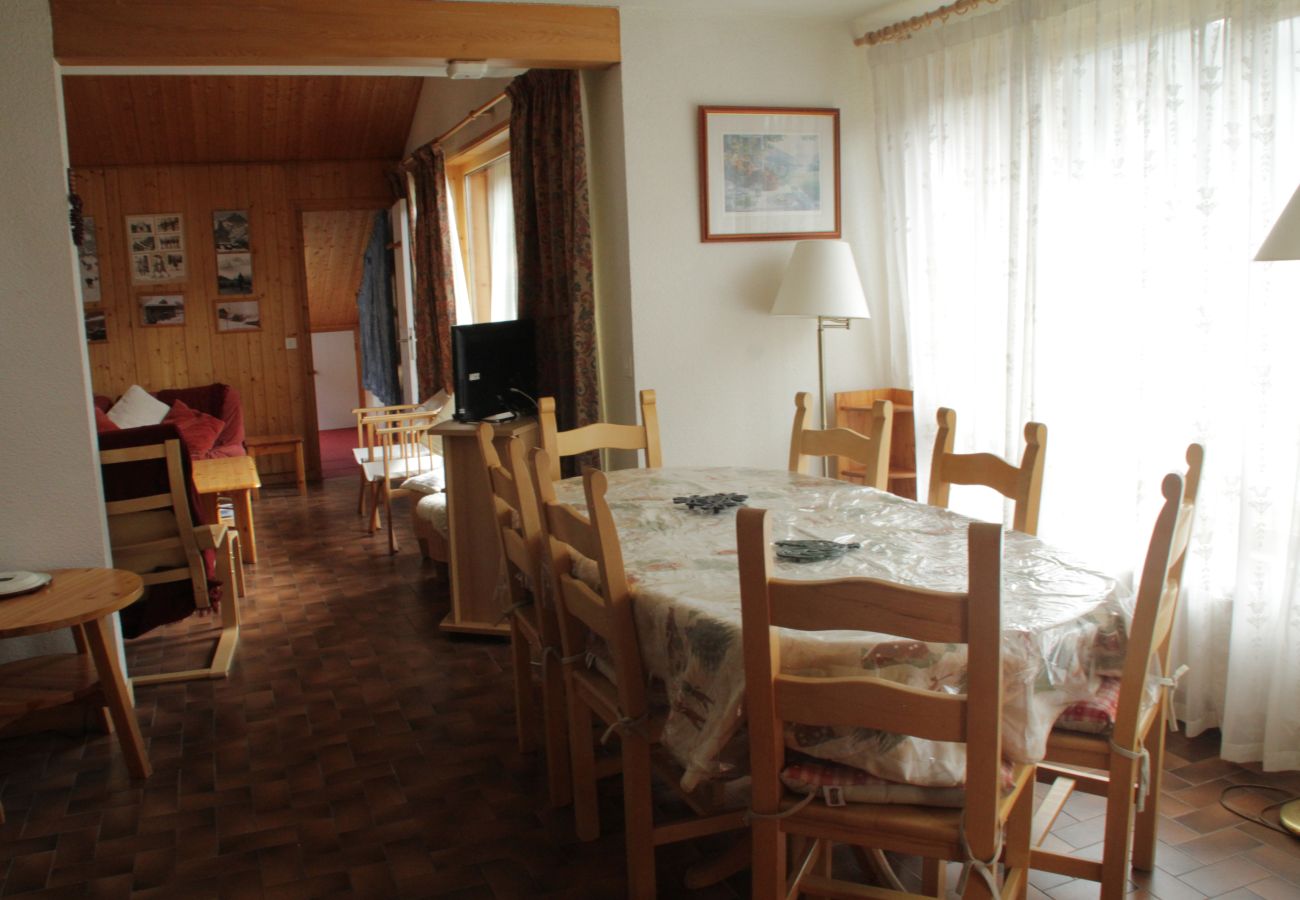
1258 818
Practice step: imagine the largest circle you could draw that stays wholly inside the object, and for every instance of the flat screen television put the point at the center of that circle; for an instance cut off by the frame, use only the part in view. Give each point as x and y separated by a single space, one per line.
495 369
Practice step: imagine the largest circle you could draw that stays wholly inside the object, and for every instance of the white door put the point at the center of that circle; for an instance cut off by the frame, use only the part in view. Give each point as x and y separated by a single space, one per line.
334 355
404 299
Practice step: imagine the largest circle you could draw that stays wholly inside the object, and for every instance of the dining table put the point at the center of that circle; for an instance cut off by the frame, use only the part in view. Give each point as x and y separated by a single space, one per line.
1063 622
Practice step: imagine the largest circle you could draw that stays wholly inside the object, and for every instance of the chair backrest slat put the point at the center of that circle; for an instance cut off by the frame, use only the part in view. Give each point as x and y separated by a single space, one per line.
918 615
870 450
1021 484
601 435
867 702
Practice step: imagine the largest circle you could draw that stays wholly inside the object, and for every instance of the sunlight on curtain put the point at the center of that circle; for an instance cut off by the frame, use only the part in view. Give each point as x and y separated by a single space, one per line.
501 228
460 287
1073 195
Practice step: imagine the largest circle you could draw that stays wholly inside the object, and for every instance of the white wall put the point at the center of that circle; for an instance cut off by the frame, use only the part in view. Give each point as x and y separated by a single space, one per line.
725 370
444 102
334 355
50 506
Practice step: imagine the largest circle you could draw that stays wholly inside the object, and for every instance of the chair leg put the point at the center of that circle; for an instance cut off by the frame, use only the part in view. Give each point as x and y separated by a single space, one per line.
1119 828
638 817
388 511
361 493
582 756
1144 826
1019 833
768 859
558 775
521 659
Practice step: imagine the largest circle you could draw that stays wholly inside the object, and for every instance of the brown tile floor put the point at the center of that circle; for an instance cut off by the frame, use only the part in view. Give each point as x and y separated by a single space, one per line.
356 751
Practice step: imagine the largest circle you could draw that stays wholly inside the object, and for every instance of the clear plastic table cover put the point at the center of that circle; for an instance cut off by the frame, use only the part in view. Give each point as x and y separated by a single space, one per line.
1063 623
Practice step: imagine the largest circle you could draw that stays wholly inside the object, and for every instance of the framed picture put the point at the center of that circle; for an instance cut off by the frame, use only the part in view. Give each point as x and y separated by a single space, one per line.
230 230
239 315
162 309
96 326
88 258
234 273
157 247
769 173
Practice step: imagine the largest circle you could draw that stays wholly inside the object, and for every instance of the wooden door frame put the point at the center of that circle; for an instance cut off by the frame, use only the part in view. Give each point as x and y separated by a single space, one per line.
299 250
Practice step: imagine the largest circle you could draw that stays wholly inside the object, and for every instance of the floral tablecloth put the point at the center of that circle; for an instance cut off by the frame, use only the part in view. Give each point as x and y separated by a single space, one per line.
1063 623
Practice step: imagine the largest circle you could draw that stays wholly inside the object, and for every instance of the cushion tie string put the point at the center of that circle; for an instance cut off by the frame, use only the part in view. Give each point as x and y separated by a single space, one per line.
1168 684
513 608
564 660
985 869
622 726
1144 770
751 815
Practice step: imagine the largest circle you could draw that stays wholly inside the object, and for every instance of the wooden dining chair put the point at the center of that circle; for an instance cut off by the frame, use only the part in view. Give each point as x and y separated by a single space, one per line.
601 435
367 445
155 537
870 450
619 697
404 452
994 819
1131 753
534 629
1022 484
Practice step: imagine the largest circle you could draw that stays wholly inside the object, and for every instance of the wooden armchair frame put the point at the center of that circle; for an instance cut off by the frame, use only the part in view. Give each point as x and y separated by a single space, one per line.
621 703
155 537
534 628
602 435
871 450
1139 732
366 448
975 833
403 451
1022 484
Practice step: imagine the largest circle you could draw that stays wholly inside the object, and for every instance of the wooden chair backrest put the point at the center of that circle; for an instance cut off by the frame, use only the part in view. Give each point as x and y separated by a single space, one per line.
871 450
775 698
154 535
1157 597
371 417
601 435
568 538
514 509
403 443
1022 484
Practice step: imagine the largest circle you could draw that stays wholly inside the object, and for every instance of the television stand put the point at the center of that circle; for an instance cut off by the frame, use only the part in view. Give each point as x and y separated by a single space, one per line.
475 574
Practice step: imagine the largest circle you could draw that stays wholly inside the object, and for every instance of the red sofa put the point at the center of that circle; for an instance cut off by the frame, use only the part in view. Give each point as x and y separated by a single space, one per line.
219 400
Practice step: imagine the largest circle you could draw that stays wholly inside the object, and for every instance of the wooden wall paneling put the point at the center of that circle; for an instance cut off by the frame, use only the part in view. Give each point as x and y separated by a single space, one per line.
332 32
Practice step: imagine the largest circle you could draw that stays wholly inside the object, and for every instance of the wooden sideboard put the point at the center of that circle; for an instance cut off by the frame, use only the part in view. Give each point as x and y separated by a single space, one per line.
475 565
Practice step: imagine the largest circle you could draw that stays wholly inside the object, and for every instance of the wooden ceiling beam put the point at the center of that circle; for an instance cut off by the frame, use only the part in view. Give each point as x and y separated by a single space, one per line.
331 32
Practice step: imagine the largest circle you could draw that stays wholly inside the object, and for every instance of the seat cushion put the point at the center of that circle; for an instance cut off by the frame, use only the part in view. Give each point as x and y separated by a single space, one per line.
858 786
433 509
433 481
1096 715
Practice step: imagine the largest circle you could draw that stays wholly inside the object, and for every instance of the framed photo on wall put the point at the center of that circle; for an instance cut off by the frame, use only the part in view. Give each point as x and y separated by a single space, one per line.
162 309
156 244
239 315
769 173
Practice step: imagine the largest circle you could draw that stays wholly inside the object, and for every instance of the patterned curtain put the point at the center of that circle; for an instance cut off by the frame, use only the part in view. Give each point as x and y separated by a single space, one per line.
435 309
548 163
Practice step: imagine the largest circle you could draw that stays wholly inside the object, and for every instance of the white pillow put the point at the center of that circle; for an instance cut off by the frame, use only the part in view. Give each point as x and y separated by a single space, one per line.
136 407
435 403
431 482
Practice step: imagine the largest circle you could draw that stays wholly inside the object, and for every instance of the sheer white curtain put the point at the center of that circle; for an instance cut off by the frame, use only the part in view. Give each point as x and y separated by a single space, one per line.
459 286
1073 192
501 229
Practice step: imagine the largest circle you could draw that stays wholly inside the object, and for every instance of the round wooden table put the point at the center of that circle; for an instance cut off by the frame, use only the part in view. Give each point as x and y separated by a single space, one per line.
80 599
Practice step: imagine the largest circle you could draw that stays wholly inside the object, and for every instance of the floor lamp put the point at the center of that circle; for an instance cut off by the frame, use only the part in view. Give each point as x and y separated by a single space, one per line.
1283 242
822 282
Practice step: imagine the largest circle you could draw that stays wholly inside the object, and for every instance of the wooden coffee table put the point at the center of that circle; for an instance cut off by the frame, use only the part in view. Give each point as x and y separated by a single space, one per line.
81 599
234 477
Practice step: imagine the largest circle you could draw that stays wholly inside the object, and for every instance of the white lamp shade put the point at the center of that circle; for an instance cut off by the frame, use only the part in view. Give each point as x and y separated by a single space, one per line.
1283 242
821 280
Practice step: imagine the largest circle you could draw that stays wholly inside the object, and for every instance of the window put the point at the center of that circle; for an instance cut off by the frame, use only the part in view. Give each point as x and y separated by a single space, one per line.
483 230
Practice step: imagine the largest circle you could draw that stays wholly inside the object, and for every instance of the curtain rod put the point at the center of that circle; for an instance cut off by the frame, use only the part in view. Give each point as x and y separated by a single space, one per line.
901 31
475 113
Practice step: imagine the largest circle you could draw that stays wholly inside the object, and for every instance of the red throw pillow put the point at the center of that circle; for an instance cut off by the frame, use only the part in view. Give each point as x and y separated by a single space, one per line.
199 431
103 422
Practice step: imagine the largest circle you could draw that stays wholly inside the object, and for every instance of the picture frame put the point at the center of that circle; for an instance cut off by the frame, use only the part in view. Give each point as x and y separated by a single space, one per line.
239 315
769 173
155 245
161 310
96 325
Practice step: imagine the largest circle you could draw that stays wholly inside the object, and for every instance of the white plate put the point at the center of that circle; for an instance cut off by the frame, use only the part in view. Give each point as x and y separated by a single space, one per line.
13 583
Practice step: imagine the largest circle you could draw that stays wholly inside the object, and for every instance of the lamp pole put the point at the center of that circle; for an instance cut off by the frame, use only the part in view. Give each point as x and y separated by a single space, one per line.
824 322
